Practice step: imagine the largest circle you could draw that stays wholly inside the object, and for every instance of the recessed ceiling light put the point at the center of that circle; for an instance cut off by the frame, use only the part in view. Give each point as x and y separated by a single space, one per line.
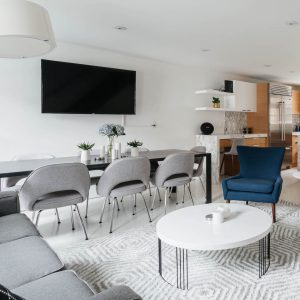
205 50
122 28
292 23
268 66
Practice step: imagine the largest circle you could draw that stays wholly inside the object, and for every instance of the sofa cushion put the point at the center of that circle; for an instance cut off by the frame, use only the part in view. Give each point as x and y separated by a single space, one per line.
6 294
251 185
16 226
64 285
25 260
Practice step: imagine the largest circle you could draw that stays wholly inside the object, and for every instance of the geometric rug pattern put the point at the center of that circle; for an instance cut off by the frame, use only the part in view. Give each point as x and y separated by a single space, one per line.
130 258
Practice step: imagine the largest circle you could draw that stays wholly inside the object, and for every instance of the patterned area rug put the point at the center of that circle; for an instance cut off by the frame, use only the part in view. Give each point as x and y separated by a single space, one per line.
131 258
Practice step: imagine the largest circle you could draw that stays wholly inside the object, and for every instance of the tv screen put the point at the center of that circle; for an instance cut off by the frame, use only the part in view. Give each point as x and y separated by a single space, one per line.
69 88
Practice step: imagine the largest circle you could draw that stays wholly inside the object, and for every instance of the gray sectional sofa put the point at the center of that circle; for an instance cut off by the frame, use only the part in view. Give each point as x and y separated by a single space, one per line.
29 268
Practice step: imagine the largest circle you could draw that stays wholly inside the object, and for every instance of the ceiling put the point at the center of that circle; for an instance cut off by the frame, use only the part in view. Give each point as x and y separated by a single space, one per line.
243 36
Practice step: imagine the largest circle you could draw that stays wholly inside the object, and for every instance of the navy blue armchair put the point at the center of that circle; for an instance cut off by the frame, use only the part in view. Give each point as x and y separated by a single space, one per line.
259 179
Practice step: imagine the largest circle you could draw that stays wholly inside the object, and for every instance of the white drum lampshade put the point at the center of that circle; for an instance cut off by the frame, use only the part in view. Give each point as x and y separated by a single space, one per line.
25 29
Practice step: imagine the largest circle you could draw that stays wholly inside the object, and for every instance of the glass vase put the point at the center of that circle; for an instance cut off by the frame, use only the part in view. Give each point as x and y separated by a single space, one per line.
110 146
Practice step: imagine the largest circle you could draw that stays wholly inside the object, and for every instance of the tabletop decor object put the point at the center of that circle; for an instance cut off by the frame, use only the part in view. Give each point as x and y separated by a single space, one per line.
112 131
216 102
134 147
85 150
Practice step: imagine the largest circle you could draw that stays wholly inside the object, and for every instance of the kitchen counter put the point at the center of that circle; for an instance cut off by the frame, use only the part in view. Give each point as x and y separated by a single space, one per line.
296 133
225 136
212 144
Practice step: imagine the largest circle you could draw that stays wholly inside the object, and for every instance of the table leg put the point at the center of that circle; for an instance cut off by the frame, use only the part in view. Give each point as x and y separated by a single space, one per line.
264 255
182 279
208 179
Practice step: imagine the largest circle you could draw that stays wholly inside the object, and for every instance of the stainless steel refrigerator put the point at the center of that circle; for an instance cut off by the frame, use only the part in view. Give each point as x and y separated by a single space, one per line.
280 120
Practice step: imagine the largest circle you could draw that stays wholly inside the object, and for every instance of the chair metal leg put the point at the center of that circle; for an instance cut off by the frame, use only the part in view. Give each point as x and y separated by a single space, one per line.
37 218
117 203
121 200
202 184
146 208
153 199
149 190
103 208
72 218
57 215
112 217
81 221
183 194
87 207
228 201
159 194
134 204
222 163
189 188
166 198
247 202
33 216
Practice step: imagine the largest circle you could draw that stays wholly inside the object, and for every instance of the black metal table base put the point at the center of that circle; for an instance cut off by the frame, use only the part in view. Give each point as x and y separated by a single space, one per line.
264 255
182 268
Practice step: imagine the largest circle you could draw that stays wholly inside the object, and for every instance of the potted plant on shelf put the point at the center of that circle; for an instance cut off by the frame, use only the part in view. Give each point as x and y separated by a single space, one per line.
112 131
134 147
216 102
85 151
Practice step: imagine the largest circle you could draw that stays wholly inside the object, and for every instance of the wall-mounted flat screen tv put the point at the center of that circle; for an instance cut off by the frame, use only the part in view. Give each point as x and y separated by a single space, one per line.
69 88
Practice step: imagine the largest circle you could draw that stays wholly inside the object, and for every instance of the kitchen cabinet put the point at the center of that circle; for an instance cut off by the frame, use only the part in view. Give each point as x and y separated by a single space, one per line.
296 102
245 96
259 120
294 151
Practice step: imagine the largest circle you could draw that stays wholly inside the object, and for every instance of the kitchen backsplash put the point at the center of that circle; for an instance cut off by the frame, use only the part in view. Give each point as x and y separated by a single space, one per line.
235 122
296 120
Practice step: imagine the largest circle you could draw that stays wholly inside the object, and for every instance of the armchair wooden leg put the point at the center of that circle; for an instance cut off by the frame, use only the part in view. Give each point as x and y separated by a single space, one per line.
247 202
274 212
227 201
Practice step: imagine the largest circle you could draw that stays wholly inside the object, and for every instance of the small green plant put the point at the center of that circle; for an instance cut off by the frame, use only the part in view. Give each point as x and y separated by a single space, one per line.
85 146
135 144
216 100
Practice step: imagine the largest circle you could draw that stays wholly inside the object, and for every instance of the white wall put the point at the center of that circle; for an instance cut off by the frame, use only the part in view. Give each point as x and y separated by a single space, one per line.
165 94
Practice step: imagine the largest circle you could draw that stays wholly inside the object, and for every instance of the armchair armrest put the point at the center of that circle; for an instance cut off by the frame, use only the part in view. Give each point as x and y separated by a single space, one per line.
277 189
120 292
9 203
224 185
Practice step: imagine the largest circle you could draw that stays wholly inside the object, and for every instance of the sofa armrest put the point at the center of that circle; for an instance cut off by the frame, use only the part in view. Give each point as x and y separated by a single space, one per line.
224 185
121 292
9 203
277 189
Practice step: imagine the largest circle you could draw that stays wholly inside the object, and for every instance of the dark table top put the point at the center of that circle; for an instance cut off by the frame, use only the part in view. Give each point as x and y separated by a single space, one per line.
25 167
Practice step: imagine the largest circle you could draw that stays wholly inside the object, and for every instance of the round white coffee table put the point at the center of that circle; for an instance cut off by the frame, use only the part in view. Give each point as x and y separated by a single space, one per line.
187 229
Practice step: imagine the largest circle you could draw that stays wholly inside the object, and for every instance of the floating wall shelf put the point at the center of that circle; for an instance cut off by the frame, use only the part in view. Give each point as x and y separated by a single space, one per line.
214 92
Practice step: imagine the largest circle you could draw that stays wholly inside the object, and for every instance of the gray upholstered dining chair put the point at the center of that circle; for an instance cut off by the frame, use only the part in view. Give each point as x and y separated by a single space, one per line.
198 171
14 183
124 177
55 186
176 170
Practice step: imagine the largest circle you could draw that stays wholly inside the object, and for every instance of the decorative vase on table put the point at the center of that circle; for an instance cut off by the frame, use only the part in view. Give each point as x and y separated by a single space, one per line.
85 151
134 151
112 131
85 155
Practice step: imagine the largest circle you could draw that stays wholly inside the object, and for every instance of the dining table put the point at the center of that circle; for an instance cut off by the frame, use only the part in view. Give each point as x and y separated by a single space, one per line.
25 167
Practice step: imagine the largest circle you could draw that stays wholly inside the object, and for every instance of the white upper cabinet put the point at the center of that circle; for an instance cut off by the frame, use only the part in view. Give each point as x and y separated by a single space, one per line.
245 96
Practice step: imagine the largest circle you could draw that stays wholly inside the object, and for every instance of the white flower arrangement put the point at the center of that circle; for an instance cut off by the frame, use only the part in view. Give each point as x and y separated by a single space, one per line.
112 130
